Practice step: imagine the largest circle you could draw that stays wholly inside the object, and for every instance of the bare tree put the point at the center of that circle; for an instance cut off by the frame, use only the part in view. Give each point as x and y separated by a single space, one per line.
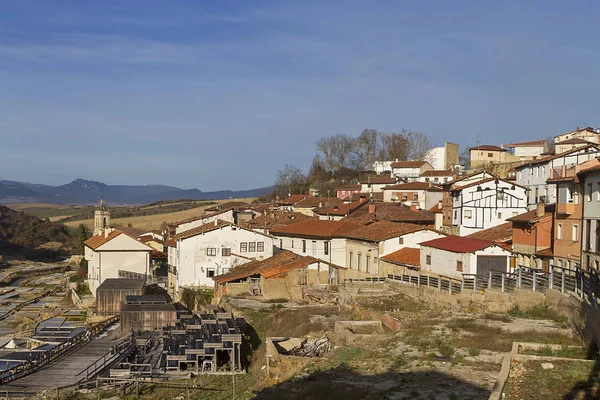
290 180
394 146
342 147
419 144
464 158
550 143
365 149
326 150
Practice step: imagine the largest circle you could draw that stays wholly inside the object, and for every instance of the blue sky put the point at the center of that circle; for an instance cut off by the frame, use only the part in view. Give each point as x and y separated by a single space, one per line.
220 94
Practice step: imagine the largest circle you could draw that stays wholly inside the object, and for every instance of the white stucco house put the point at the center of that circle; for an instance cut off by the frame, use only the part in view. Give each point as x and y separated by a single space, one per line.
322 239
486 203
436 176
185 225
409 170
534 174
424 193
454 256
213 249
114 254
527 150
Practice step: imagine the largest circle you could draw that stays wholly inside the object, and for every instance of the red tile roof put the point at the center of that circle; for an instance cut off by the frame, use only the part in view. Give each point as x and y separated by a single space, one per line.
437 172
531 216
487 147
458 244
414 186
274 219
316 228
525 144
408 164
311 202
377 196
383 230
96 241
573 141
341 210
171 243
499 234
280 263
227 206
394 213
406 256
437 209
293 199
193 219
211 226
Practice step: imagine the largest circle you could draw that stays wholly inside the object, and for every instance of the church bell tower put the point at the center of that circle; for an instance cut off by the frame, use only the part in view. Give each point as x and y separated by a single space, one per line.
101 218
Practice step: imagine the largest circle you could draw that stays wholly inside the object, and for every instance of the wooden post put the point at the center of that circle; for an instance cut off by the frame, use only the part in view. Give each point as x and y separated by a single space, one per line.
562 281
427 280
98 388
534 280
439 283
418 280
475 284
551 283
268 376
581 284
502 283
449 286
519 279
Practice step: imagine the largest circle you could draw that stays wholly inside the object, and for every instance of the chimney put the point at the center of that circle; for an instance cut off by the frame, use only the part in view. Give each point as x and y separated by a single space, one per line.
440 205
414 206
216 222
563 171
396 160
541 208
336 208
362 199
371 208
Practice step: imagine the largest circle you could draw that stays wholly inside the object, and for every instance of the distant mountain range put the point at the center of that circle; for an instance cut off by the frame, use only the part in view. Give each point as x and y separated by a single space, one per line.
84 192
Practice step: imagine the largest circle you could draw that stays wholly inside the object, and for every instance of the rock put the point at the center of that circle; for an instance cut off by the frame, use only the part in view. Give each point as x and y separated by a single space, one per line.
263 367
547 365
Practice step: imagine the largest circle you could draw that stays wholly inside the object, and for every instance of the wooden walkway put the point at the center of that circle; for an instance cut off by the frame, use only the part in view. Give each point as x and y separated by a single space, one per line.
64 371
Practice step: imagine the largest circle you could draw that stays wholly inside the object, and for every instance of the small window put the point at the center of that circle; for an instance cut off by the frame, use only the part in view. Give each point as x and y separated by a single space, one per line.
358 259
314 247
243 247
225 252
428 260
326 247
368 263
459 266
559 231
575 233
490 155
291 244
260 246
589 192
350 259
499 215
251 247
401 240
210 273
280 244
211 251
468 214
415 196
304 246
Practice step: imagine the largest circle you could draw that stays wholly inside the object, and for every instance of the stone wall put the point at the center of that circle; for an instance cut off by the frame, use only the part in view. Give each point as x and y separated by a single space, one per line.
285 287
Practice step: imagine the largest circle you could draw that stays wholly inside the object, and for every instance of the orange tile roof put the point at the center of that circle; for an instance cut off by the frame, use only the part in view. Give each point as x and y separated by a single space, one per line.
415 186
316 228
377 196
394 213
406 256
311 202
525 144
96 241
458 244
280 263
341 210
211 226
487 147
276 218
499 234
437 209
383 230
408 164
293 199
171 243
437 172
192 219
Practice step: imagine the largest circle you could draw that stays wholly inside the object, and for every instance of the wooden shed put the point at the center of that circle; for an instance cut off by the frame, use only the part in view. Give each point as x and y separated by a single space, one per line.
147 313
113 291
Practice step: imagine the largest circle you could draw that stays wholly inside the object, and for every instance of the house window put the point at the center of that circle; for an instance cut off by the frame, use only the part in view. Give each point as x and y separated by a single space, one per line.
304 246
559 233
428 260
368 263
499 215
426 179
260 246
468 214
350 259
225 252
589 192
575 233
251 247
490 155
243 247
211 251
210 273
455 214
404 197
459 266
291 244
401 240
280 244
358 259
314 247
415 196
326 247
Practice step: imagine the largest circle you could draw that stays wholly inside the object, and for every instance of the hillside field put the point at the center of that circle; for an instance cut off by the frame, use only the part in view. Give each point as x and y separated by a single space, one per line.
154 221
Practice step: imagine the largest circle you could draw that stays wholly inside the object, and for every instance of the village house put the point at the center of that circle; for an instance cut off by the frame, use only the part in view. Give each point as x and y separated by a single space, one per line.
535 174
526 150
500 234
306 206
213 249
532 237
393 212
194 222
282 276
365 246
436 176
152 241
590 179
588 134
347 190
569 144
486 203
438 212
455 255
485 154
325 240
409 170
444 157
289 202
406 261
424 193
374 184
114 254
273 219
338 212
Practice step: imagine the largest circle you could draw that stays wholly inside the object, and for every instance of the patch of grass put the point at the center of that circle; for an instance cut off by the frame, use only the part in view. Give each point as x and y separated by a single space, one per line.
497 317
540 311
575 352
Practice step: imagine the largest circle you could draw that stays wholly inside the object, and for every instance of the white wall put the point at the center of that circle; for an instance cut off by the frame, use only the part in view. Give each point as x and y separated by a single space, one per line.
413 239
436 157
315 247
108 263
529 151
194 262
444 262
225 216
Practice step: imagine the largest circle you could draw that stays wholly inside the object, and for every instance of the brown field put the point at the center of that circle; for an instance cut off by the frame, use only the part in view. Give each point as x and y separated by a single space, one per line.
23 206
154 221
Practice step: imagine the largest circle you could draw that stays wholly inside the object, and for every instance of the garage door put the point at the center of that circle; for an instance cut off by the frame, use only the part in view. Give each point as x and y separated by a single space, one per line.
485 264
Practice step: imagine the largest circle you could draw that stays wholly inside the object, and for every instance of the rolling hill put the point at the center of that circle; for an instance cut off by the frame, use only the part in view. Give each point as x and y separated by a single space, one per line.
86 192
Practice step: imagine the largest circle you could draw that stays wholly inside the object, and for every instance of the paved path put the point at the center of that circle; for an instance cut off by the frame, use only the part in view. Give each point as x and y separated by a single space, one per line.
64 371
